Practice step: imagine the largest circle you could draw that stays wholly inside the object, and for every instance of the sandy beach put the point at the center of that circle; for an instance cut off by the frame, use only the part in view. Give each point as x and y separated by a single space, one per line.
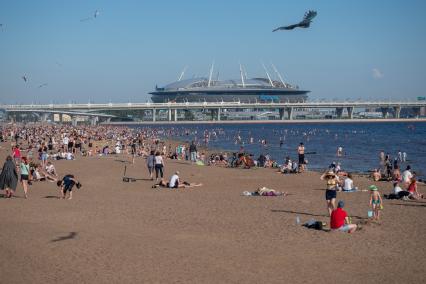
116 232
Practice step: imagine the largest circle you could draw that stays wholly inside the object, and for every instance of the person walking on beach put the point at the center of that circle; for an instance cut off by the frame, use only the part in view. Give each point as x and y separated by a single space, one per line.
25 173
159 165
150 163
9 177
375 201
330 193
301 153
193 151
134 151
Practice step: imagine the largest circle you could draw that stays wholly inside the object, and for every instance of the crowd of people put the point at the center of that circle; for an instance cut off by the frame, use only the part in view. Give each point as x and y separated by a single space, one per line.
36 148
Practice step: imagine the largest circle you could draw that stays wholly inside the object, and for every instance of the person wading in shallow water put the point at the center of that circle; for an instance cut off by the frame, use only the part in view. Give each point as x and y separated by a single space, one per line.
301 153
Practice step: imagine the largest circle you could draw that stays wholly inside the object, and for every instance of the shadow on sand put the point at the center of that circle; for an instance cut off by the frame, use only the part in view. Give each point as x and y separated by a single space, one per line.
310 214
70 236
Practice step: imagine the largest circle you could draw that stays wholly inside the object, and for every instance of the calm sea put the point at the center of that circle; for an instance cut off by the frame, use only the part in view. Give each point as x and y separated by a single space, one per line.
361 142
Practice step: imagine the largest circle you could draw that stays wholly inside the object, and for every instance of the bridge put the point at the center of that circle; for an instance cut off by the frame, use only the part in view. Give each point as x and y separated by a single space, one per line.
99 112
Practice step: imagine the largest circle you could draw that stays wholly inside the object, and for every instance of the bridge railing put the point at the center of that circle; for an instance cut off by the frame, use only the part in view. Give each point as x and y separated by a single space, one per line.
91 106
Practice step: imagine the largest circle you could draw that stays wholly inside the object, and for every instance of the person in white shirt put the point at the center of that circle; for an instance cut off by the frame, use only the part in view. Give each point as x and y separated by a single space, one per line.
407 175
349 184
174 181
159 165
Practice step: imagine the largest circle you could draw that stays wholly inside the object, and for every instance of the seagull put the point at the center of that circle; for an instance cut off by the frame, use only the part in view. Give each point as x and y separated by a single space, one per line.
42 85
95 15
307 19
24 78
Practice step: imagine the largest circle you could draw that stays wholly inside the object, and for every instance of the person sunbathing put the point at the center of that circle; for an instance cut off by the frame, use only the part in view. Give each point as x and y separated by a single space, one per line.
175 182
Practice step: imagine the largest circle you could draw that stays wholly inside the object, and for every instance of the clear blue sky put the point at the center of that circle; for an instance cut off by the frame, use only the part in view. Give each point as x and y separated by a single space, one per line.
134 45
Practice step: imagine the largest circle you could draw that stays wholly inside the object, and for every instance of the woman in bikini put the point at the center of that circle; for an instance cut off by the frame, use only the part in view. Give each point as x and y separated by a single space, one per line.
330 193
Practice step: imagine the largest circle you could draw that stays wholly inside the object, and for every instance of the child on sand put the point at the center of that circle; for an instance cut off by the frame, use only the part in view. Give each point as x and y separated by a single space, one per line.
375 201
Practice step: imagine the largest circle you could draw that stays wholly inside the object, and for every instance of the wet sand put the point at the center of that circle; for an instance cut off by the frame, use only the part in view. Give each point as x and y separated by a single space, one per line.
116 232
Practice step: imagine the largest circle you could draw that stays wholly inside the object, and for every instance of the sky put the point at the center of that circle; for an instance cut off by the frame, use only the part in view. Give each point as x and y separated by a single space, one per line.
360 49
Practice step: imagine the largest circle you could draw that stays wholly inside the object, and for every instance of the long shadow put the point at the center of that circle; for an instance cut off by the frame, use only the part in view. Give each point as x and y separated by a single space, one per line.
70 236
310 214
406 204
295 212
52 196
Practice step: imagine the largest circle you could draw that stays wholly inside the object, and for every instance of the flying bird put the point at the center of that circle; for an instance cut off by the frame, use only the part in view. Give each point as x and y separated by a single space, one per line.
305 23
24 78
95 15
42 85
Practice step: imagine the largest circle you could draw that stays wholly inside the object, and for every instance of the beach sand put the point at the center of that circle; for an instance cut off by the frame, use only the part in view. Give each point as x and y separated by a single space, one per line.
116 232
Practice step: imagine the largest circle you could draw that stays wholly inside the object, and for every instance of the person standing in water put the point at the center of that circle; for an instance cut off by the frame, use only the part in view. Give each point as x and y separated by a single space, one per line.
301 153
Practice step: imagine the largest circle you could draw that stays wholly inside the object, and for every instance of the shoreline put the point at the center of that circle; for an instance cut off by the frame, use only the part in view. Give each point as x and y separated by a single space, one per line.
294 121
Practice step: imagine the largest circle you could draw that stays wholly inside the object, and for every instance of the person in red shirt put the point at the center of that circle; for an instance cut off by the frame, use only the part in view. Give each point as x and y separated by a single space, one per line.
16 154
339 220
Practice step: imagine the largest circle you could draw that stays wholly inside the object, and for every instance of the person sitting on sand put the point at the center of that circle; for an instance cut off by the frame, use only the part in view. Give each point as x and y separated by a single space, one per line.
397 192
376 175
67 184
349 184
375 201
412 189
51 170
339 220
175 183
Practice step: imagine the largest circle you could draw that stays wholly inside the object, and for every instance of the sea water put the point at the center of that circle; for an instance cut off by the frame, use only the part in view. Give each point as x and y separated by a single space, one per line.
361 142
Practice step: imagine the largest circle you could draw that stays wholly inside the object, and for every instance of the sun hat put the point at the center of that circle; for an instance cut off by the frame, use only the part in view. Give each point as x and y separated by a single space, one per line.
372 187
330 173
177 172
340 204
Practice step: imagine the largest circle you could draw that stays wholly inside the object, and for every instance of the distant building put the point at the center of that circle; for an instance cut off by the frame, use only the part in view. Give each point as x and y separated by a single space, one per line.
244 90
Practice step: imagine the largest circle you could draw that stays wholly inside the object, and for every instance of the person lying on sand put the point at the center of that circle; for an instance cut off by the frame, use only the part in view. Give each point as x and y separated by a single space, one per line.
264 191
175 182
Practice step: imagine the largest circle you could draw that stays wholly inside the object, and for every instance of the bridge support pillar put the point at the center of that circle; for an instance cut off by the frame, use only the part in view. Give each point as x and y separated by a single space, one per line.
397 112
290 111
339 112
416 111
94 120
175 114
170 114
281 111
44 117
153 115
74 121
385 112
219 110
350 112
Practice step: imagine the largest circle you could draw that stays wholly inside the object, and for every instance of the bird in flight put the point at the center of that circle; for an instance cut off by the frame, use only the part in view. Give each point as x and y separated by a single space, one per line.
25 78
305 23
95 15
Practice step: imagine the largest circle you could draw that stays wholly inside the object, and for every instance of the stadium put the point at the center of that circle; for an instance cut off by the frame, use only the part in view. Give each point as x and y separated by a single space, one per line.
203 89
